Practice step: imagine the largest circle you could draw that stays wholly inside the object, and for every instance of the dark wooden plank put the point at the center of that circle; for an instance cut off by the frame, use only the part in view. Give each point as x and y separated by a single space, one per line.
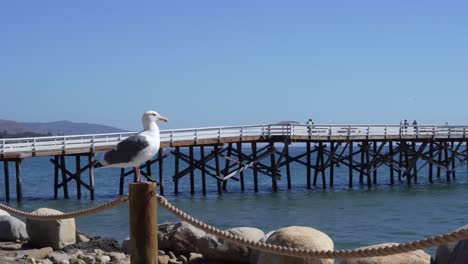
332 163
390 153
56 176
309 172
218 169
64 176
7 180
274 182
288 165
350 167
192 172
255 172
241 173
431 157
176 171
161 170
203 171
78 176
122 179
91 175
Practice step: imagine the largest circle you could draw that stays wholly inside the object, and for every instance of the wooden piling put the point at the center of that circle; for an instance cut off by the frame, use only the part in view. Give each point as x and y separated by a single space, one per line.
241 174
350 168
176 168
332 162
19 182
143 223
78 176
274 180
288 165
322 167
400 162
374 162
309 172
122 179
161 171
431 159
452 145
91 174
64 177
218 170
56 176
446 161
439 160
192 172
390 152
369 183
227 164
202 157
7 180
415 166
255 172
361 166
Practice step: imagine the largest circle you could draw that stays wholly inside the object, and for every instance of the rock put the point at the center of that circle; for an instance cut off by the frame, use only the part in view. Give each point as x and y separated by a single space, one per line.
196 258
88 259
163 259
218 249
443 253
114 256
12 229
125 246
179 237
102 259
51 233
77 261
2 212
41 253
11 246
297 237
182 258
105 244
174 261
58 256
81 238
171 255
161 252
459 254
413 257
44 261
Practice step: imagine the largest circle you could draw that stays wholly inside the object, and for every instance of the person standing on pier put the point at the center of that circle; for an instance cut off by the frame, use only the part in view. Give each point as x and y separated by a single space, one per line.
415 126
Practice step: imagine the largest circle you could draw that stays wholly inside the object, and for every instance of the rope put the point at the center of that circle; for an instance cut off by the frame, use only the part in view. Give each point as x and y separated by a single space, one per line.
122 199
322 254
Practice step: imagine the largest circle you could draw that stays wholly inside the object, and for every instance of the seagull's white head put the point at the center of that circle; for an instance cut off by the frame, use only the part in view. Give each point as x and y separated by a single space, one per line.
152 116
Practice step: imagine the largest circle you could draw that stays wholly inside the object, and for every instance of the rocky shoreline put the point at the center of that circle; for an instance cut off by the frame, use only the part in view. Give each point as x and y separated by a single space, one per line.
58 242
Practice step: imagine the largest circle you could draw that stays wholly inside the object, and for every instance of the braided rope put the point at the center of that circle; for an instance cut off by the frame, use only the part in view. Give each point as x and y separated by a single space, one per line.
323 254
122 199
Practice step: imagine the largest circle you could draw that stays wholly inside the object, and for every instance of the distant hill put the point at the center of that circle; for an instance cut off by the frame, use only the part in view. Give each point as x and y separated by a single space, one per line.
10 128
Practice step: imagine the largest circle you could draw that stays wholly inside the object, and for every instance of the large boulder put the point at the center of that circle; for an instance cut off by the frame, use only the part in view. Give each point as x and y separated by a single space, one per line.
414 257
179 237
459 255
12 229
297 237
444 251
51 233
218 249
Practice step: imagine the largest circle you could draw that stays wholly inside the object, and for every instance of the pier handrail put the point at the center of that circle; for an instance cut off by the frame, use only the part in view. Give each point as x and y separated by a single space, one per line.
265 131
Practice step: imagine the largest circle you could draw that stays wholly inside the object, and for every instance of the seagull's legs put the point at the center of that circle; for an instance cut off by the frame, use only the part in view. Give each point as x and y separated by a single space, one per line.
138 174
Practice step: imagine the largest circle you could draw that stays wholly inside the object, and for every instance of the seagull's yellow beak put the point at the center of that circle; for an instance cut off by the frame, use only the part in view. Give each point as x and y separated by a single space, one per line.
162 118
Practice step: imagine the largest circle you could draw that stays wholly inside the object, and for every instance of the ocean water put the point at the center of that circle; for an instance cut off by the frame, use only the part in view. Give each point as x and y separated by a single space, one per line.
351 217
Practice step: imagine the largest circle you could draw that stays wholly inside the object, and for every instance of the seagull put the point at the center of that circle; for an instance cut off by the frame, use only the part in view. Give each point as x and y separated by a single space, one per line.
136 149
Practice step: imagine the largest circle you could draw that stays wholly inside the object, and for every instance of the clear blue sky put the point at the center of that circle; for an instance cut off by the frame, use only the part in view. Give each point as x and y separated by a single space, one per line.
207 63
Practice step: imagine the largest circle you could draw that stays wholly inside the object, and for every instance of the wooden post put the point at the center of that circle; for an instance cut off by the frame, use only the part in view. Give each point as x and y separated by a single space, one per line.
19 183
439 159
322 168
227 165
431 158
369 183
274 182
64 176
454 153
161 171
78 176
309 172
192 172
407 168
148 169
255 172
218 170
361 173
446 162
415 167
202 157
7 180
350 168
241 174
176 169
91 175
390 154
374 162
122 178
400 162
288 165
56 175
332 163
143 223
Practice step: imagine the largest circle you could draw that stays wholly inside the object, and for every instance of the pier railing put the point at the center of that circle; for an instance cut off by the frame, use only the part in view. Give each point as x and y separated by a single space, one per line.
218 134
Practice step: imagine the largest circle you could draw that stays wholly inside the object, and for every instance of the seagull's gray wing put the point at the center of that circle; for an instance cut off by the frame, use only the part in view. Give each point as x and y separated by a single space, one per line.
126 150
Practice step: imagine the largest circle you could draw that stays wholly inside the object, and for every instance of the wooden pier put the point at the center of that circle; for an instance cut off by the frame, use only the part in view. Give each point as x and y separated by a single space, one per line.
224 154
